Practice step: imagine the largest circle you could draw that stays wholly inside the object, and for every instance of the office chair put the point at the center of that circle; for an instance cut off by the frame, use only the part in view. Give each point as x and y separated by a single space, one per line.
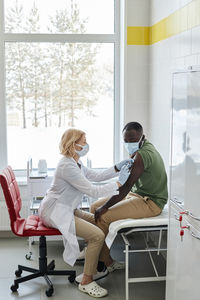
31 226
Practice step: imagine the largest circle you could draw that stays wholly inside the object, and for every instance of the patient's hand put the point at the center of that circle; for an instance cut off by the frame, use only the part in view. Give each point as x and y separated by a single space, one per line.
99 212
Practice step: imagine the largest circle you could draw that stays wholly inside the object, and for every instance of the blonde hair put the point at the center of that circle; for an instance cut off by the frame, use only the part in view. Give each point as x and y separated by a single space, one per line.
68 140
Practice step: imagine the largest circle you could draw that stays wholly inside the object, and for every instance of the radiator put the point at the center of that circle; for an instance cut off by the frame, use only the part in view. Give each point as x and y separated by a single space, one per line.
4 217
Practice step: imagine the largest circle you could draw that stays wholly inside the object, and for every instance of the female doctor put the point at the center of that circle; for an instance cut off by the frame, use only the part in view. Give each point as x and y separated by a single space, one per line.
59 209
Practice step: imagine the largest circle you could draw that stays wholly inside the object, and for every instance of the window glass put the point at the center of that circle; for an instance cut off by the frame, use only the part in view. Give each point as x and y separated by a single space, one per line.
53 86
60 16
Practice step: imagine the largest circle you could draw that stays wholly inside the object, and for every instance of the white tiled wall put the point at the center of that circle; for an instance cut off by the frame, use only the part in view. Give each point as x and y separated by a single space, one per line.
162 8
149 70
177 52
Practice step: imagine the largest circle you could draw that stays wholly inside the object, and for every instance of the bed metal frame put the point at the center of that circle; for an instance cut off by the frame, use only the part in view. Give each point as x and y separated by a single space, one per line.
127 251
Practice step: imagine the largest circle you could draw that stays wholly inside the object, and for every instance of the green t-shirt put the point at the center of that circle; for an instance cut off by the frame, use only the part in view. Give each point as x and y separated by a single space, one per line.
153 181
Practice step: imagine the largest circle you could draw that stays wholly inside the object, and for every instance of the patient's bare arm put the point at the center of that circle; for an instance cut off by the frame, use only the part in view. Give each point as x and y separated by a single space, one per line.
136 171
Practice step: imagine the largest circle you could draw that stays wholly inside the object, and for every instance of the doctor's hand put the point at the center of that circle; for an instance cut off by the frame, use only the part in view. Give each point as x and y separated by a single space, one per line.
124 174
128 162
99 212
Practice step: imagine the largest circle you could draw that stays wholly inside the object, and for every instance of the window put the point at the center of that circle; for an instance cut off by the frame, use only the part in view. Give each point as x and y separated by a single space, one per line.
60 67
60 16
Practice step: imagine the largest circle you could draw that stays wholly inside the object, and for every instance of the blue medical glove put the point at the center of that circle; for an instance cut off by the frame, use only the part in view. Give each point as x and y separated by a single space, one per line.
128 162
123 174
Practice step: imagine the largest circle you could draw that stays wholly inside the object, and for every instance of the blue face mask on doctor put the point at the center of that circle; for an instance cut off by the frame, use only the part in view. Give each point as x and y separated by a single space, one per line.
83 151
132 147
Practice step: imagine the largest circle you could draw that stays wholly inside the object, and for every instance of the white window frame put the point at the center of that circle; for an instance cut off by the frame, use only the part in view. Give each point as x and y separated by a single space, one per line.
65 38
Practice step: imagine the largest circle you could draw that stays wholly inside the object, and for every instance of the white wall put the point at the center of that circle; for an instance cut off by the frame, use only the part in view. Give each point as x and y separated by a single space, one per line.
176 52
137 68
161 8
148 69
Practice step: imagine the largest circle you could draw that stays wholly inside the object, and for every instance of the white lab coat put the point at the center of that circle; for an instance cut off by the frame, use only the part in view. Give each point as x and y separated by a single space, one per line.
69 184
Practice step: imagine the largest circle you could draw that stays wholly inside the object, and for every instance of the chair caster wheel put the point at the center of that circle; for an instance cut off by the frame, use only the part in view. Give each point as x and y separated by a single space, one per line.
28 256
49 292
53 267
14 287
18 273
71 279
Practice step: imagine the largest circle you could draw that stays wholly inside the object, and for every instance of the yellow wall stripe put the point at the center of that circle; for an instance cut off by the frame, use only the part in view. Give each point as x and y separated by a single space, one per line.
138 35
181 20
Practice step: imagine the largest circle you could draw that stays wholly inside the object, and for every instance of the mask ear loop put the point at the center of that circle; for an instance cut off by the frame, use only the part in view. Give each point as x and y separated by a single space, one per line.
141 141
79 145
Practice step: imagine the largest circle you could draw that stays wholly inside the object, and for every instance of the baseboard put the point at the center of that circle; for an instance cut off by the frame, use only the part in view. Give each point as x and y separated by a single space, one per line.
7 234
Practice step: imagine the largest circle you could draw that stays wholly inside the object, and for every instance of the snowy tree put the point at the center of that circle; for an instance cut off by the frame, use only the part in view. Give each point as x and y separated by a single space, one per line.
76 87
16 64
45 81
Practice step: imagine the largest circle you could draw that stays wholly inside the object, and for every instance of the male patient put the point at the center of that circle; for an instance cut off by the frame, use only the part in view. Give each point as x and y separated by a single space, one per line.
148 194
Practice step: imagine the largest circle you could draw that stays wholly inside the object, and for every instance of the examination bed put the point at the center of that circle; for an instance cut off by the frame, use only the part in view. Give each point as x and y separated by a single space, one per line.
126 227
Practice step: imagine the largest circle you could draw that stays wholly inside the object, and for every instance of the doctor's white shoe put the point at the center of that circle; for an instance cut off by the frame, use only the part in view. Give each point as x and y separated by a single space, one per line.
93 289
96 276
116 265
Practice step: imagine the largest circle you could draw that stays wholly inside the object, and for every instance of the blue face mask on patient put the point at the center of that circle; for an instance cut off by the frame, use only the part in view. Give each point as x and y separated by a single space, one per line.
132 147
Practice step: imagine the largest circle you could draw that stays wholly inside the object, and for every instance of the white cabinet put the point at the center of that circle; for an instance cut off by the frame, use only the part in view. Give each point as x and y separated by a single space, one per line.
188 265
183 263
38 183
178 138
172 248
192 170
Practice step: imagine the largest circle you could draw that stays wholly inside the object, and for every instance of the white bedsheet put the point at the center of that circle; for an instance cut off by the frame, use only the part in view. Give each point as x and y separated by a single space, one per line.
114 227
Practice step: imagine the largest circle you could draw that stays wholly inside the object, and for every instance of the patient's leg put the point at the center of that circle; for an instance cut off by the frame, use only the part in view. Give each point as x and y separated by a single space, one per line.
101 202
134 207
97 204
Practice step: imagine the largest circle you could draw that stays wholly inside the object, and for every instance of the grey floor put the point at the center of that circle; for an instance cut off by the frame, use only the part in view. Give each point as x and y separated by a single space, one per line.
13 251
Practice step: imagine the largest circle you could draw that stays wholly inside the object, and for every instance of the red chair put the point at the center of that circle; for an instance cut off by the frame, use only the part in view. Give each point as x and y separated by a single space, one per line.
31 226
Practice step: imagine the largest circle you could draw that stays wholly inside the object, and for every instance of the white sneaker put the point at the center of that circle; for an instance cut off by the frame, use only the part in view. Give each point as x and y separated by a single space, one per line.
82 255
93 289
96 276
116 265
